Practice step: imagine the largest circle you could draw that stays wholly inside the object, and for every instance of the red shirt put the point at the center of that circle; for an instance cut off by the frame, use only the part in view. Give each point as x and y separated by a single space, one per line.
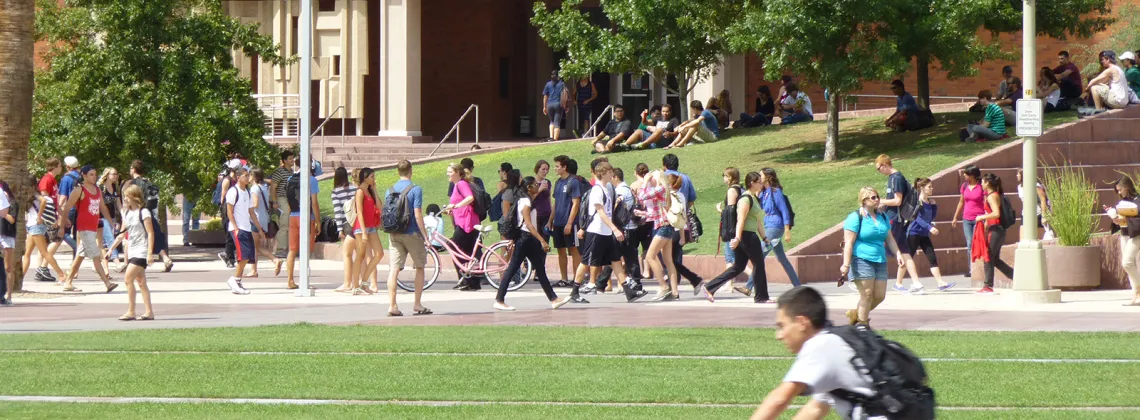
48 186
88 210
371 213
986 204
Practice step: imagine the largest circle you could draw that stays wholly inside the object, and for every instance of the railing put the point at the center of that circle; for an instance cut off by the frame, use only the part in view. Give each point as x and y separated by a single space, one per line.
593 130
887 101
321 129
455 129
280 114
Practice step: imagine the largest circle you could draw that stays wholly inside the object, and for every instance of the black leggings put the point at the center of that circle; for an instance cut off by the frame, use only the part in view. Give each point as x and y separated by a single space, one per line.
917 242
465 241
996 236
530 249
749 250
678 255
230 246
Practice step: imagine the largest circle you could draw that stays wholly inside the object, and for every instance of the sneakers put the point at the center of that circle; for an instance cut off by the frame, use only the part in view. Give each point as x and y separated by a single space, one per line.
899 288
502 307
588 289
946 286
631 293
742 290
5 302
986 291
917 290
43 274
660 296
671 297
236 287
229 264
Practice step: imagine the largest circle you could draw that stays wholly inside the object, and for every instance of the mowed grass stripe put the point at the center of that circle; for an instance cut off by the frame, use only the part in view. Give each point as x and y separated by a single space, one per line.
488 378
148 411
567 340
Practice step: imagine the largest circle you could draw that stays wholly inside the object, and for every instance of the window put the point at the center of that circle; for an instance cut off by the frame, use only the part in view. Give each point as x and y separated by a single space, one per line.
326 6
336 65
504 77
294 39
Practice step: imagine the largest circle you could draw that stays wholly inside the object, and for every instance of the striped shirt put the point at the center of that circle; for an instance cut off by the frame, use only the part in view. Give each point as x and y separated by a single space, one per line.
280 177
340 195
996 117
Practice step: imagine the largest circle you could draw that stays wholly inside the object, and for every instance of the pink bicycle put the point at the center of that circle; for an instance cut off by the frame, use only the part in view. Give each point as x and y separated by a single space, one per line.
494 261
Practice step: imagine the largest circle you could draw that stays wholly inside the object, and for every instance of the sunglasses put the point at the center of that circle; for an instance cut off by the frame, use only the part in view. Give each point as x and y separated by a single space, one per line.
873 197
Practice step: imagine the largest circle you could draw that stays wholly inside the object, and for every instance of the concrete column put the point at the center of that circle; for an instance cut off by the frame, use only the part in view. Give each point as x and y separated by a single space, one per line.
729 75
400 72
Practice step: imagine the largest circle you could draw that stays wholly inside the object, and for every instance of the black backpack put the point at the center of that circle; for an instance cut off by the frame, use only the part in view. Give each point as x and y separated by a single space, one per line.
495 212
9 229
509 224
1007 217
217 200
791 213
395 218
898 378
293 192
584 217
728 217
908 210
623 215
150 192
482 204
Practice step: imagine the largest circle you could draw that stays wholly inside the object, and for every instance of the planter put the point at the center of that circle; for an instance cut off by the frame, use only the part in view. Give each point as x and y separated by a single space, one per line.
206 238
1073 267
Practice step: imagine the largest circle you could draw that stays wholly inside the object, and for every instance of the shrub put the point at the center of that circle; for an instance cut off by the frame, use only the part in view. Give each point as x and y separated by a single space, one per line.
214 225
1073 197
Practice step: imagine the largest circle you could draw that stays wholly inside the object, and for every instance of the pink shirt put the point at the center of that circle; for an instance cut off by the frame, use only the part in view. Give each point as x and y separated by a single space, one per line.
464 217
973 200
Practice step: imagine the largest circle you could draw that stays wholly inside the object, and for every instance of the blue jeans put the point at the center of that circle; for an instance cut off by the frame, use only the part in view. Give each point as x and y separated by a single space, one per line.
729 256
188 218
796 118
109 237
778 233
968 230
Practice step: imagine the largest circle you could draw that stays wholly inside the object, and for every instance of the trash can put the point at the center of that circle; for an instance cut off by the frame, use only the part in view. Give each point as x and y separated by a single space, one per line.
525 127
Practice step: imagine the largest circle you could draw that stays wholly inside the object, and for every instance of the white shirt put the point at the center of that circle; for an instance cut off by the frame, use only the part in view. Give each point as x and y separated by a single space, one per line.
31 214
824 365
4 204
136 232
241 209
525 201
598 195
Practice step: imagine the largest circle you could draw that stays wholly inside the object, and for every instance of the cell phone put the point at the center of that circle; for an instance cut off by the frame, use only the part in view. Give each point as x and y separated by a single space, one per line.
841 281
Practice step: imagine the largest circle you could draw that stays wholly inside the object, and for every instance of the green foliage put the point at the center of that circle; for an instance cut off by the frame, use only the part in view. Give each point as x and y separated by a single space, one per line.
214 225
1124 38
1073 197
1055 18
149 80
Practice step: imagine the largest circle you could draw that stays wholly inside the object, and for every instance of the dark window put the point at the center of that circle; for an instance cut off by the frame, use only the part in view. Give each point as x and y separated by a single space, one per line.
336 65
294 38
504 77
326 6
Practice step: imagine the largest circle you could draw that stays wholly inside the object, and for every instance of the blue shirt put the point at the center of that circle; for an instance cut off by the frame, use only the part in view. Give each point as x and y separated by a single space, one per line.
565 190
416 198
68 183
687 189
709 120
896 186
775 208
553 92
925 220
906 103
871 244
314 189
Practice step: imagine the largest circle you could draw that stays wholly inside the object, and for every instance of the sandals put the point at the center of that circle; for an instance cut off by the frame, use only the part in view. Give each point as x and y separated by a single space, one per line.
423 311
112 287
146 317
169 266
71 289
126 318
277 270
397 313
291 286
360 292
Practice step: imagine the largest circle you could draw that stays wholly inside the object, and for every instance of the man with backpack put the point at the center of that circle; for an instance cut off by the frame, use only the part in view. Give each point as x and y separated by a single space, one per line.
567 198
225 182
293 196
898 206
889 382
70 180
277 183
150 198
403 219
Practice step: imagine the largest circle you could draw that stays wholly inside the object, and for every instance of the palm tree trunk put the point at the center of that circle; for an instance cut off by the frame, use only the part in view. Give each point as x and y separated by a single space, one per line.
17 55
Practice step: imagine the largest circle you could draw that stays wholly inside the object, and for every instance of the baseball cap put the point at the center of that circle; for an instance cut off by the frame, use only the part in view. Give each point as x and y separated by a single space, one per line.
233 163
1128 55
71 161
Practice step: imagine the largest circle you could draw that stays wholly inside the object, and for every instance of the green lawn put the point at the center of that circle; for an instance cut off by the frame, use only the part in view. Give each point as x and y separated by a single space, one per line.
514 364
821 192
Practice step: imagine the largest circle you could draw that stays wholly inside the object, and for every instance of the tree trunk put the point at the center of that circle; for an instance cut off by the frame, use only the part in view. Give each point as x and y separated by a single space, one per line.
831 146
922 73
684 97
17 52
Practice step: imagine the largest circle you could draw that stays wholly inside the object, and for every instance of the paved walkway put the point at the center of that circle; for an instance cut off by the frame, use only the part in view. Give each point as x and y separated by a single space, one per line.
195 295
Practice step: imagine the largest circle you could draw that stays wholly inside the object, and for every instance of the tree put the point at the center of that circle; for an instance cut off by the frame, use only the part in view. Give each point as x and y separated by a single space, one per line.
1123 38
149 80
838 44
17 43
682 38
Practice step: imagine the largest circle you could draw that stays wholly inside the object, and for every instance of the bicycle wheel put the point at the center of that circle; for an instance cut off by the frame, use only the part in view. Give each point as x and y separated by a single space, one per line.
495 262
406 280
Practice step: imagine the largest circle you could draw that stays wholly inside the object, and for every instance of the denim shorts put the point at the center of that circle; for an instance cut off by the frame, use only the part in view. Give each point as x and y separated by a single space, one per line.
370 231
664 232
866 270
37 230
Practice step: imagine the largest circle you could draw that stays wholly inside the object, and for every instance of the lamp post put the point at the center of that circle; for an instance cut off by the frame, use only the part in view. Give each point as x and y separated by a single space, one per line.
305 122
1030 279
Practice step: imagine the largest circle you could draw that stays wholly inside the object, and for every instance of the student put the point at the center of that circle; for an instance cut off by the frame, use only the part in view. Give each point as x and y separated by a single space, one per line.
463 217
567 198
277 195
992 127
585 93
112 197
554 102
138 177
631 229
410 242
1003 90
731 178
343 191
48 187
1042 200
88 202
1131 73
541 202
433 223
703 127
242 223
1049 89
1129 236
905 107
294 204
1069 75
765 109
530 246
1109 89
6 286
970 200
661 133
777 220
866 239
602 235
37 227
796 107
748 244
227 181
468 165
368 212
992 237
897 191
919 231
656 195
259 193
687 196
137 221
617 131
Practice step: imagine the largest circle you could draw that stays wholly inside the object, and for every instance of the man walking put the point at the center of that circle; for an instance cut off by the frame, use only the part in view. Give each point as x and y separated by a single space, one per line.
409 241
242 220
554 103
897 190
277 197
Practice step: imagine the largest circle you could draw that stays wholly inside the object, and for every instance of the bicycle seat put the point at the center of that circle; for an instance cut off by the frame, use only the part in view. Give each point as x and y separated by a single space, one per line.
484 229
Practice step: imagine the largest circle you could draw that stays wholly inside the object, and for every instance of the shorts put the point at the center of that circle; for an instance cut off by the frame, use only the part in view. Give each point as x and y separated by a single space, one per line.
646 134
141 262
37 230
704 135
554 111
866 270
599 250
586 112
898 231
88 244
244 249
664 232
8 241
295 234
1111 100
370 231
564 241
253 228
402 246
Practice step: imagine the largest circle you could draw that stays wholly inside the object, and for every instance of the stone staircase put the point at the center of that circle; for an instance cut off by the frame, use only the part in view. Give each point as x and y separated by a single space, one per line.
1101 146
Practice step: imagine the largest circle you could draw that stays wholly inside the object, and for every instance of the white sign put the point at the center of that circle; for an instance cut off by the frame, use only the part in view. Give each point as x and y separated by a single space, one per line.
1029 117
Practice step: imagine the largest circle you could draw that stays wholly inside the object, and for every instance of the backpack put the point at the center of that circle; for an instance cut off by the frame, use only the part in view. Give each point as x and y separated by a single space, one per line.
482 203
675 214
584 217
349 213
623 215
293 192
1008 217
908 210
791 213
496 210
728 216
328 234
898 378
217 200
150 192
509 223
395 218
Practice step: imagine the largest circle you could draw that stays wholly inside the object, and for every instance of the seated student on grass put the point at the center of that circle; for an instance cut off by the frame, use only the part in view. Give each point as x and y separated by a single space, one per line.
1131 73
1003 86
1109 89
765 108
1049 90
702 128
616 131
1009 104
992 127
796 107
905 107
1069 76
659 132
649 118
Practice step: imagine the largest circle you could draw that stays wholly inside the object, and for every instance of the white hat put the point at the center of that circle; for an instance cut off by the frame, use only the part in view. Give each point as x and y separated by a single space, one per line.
1127 55
234 163
71 162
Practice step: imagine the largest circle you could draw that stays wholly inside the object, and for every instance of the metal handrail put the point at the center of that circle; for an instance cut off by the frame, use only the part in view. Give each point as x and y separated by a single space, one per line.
455 129
593 130
321 129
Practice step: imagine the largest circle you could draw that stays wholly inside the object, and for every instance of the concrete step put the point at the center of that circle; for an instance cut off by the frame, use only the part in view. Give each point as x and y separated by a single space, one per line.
1096 153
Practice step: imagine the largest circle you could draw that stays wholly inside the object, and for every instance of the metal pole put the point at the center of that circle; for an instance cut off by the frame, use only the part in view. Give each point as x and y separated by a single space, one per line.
305 118
1030 281
476 124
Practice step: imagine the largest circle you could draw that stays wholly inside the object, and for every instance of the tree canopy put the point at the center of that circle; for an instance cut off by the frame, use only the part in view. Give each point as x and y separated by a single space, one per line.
149 80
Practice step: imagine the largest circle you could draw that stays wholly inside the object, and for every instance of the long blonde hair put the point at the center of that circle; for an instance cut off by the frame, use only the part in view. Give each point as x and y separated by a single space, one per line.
133 197
459 169
104 176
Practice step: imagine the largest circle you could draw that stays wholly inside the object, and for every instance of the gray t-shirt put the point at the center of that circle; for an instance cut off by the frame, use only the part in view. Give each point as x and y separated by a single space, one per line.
615 127
824 365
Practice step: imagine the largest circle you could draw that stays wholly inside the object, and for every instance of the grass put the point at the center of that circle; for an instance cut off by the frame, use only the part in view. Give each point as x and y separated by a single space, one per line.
814 187
481 375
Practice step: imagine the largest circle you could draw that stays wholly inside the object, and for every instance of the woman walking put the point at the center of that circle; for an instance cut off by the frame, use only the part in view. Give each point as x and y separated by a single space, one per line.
731 178
530 246
656 196
993 235
37 225
112 195
919 231
541 202
1129 236
464 218
343 192
263 241
866 238
969 207
137 221
364 228
777 220
748 244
